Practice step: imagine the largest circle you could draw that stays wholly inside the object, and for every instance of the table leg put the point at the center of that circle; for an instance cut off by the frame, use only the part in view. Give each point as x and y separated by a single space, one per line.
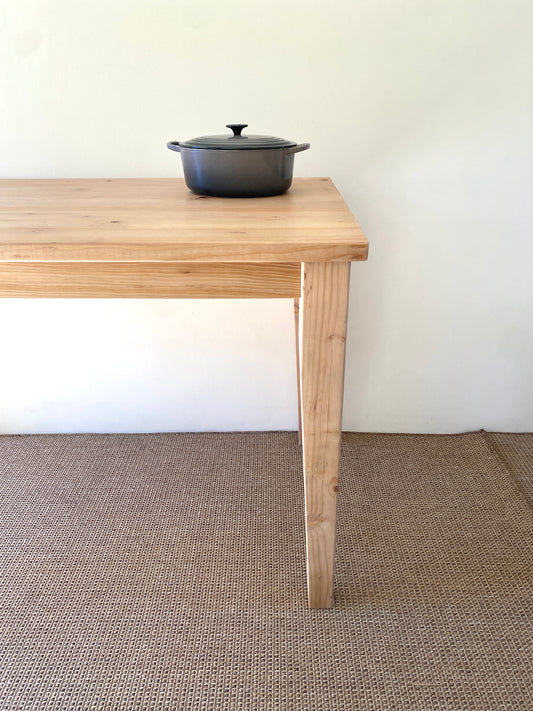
323 316
297 340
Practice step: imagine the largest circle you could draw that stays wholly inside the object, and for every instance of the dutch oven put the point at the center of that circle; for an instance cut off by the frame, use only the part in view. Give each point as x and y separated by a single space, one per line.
237 165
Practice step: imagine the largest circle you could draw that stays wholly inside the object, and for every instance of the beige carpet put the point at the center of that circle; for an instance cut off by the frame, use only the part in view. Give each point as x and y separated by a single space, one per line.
150 572
516 453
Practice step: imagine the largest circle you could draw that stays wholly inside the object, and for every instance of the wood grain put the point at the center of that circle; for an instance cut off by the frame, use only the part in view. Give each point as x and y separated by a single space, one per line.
161 220
152 280
323 317
297 349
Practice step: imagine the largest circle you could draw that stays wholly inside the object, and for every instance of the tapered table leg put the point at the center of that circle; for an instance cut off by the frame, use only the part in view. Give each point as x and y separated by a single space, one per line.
323 316
297 338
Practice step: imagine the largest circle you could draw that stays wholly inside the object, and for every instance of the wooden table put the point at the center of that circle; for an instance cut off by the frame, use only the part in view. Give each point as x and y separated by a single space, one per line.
155 239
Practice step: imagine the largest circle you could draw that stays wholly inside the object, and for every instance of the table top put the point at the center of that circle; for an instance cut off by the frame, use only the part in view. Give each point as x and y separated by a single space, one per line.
160 220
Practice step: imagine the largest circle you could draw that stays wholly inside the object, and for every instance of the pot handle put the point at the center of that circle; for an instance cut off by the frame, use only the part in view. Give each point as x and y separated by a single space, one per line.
298 148
174 146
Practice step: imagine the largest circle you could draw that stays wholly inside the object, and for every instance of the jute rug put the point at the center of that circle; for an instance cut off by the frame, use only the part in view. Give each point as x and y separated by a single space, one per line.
150 572
516 453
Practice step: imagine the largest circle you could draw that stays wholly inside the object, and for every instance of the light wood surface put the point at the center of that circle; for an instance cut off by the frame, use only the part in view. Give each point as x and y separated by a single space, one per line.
323 317
153 238
159 219
148 280
297 349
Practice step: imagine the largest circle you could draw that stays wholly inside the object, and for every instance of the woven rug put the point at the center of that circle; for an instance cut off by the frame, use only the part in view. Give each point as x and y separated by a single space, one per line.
515 451
150 572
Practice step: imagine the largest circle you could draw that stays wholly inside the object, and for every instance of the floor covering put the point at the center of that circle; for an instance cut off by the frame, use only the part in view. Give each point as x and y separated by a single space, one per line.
167 571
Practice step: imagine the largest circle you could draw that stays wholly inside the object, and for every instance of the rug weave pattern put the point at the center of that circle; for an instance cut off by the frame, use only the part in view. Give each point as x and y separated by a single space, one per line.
150 572
515 451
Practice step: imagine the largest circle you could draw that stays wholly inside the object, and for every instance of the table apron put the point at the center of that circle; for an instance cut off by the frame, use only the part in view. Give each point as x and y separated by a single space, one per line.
149 280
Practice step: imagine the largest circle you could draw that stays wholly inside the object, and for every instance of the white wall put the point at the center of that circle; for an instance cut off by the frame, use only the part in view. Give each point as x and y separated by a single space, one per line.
421 113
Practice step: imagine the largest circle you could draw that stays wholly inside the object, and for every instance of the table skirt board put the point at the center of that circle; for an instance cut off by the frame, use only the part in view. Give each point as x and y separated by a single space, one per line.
149 280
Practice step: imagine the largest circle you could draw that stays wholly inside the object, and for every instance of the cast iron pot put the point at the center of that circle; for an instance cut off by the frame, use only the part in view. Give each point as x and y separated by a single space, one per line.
237 166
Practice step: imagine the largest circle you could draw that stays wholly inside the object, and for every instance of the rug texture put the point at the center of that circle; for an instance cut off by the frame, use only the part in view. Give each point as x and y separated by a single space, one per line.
516 453
151 572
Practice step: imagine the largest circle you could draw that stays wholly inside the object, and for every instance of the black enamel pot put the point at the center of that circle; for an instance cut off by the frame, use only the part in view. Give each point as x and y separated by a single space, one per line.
237 165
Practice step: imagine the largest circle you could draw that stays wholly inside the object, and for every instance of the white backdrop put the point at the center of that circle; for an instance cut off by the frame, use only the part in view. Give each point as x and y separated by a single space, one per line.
420 112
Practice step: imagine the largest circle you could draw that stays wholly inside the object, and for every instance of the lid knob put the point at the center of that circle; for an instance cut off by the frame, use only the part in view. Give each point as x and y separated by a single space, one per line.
236 127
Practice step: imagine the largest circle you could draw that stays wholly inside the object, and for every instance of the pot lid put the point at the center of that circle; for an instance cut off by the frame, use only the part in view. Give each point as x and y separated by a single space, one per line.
237 141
